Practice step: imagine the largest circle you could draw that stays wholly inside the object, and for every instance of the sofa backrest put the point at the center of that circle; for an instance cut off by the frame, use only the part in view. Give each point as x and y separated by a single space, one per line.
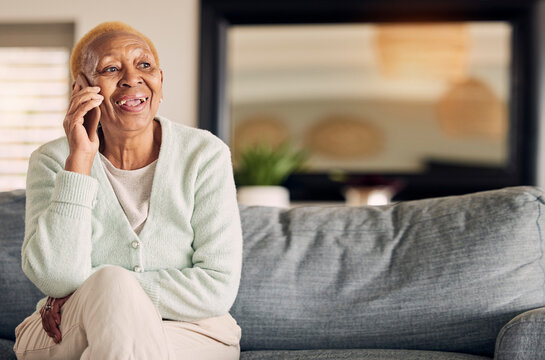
18 296
440 274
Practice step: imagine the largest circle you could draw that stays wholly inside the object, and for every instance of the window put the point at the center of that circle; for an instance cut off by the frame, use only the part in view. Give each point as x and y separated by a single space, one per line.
34 93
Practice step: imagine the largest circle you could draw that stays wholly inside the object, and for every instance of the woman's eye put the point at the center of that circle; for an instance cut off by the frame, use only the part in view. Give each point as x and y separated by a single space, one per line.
110 69
145 65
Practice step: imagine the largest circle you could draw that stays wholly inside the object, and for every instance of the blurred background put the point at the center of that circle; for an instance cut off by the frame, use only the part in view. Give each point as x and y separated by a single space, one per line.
370 104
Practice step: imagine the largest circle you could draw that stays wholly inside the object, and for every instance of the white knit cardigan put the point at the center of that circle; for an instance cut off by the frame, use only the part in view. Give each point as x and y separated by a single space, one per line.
188 255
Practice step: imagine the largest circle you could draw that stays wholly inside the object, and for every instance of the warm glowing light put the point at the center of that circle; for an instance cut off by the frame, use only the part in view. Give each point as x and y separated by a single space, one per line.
423 50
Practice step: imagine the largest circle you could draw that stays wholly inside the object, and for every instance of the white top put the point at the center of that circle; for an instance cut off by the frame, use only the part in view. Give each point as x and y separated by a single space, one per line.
133 190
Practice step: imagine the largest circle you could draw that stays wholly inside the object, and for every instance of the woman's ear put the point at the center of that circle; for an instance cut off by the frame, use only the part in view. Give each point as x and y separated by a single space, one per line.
161 100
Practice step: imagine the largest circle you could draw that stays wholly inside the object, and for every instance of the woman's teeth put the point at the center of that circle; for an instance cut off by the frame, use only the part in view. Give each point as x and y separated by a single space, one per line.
132 102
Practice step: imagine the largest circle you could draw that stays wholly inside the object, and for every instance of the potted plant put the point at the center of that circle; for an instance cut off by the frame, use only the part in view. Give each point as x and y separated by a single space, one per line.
262 169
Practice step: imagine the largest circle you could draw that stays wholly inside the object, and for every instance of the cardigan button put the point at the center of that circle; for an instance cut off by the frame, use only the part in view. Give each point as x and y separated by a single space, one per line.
138 269
135 244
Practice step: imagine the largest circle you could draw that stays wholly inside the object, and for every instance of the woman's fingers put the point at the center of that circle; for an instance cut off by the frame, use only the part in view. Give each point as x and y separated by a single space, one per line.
77 117
54 330
82 98
49 324
84 109
85 95
45 323
92 119
56 317
56 309
85 102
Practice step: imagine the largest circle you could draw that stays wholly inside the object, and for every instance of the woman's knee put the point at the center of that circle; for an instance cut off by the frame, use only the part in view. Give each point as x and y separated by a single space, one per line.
113 276
111 284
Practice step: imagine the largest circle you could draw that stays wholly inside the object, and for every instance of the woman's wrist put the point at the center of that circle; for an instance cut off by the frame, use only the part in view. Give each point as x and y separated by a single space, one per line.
79 163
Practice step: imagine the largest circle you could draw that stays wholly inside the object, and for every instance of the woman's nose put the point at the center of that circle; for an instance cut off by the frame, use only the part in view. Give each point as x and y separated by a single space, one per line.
130 78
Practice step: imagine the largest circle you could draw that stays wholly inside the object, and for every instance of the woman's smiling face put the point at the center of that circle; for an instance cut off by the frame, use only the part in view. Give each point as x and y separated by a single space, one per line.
124 68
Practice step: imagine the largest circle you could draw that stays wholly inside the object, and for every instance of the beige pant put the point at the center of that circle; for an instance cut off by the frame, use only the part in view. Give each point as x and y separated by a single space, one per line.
111 317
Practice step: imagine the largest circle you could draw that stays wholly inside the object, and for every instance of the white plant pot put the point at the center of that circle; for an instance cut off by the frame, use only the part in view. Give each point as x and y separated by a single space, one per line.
277 196
369 195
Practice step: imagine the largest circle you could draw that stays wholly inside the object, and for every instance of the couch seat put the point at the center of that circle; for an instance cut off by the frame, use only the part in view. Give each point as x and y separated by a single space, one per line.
6 350
355 354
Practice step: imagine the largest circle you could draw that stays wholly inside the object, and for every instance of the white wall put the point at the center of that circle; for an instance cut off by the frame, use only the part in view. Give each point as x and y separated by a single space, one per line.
171 24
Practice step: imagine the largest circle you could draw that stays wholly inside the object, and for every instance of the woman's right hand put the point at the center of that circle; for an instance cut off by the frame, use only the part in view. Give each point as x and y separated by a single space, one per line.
80 125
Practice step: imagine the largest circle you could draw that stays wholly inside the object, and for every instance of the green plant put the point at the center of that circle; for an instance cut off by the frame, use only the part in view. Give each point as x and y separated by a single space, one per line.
263 164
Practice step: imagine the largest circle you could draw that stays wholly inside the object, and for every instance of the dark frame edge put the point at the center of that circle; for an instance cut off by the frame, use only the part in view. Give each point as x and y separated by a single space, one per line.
217 15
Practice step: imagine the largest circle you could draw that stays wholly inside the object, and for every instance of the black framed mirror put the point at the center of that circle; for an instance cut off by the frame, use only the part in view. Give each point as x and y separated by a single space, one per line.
506 141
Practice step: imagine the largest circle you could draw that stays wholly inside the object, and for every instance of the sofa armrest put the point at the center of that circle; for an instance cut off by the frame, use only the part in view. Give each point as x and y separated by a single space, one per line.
522 338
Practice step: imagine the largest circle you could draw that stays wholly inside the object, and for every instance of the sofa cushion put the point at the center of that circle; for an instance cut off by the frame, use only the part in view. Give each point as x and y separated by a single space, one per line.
18 296
439 274
523 337
6 350
355 354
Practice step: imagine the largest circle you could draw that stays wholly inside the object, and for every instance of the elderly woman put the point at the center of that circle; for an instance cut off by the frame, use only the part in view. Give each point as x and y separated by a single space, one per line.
132 226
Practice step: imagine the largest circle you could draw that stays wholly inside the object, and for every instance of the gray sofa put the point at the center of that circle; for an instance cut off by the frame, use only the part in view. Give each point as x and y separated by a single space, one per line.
448 278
